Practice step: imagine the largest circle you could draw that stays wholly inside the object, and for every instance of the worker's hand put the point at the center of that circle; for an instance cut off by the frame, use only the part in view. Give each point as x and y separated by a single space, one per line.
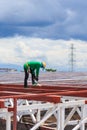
28 70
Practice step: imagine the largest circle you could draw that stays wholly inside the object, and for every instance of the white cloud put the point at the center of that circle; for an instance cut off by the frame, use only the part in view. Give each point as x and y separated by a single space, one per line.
56 53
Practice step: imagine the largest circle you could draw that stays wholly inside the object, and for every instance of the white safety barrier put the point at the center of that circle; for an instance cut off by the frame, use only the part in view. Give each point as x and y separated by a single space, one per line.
58 110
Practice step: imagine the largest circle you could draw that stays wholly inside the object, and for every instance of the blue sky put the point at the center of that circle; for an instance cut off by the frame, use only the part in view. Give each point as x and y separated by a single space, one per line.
43 30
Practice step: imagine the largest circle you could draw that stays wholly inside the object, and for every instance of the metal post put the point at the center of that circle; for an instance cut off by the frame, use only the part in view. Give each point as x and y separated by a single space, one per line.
38 114
15 115
83 113
62 118
58 119
8 121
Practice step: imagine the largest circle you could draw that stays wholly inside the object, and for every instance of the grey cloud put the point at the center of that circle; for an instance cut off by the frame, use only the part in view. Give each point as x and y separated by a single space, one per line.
54 19
30 12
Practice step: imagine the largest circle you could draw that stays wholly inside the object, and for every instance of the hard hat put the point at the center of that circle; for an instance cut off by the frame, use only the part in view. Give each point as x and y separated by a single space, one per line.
44 64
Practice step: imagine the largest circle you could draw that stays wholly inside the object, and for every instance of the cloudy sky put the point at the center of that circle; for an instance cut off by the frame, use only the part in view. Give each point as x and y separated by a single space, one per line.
44 30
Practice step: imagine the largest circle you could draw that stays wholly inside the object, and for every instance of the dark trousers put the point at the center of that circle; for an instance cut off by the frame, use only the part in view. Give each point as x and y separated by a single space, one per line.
27 76
33 77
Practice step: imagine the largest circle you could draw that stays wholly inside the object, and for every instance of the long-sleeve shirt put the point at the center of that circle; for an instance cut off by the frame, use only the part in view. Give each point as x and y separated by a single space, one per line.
34 65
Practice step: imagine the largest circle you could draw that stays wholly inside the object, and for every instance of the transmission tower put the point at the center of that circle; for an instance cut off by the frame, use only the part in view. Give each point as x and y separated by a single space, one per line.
72 58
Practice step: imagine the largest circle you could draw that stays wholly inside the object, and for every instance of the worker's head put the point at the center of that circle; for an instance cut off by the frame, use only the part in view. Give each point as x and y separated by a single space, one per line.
43 64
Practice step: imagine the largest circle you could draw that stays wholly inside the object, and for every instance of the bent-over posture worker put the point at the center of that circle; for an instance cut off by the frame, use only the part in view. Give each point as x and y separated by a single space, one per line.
32 67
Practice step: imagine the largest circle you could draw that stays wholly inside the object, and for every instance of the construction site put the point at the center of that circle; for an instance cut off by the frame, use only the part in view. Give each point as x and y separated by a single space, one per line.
59 103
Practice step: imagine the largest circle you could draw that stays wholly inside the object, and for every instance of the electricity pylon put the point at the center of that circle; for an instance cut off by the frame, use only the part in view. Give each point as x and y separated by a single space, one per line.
72 60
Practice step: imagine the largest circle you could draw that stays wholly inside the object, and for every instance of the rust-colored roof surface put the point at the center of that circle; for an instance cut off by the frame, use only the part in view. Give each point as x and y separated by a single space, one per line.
52 87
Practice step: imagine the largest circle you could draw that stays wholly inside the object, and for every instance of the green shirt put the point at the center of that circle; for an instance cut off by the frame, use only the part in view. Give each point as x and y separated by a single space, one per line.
34 65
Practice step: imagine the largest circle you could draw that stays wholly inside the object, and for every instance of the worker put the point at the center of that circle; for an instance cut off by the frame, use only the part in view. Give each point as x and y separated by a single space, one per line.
32 67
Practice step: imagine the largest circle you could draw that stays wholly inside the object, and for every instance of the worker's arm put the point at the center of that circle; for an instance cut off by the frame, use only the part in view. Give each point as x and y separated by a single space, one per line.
37 73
